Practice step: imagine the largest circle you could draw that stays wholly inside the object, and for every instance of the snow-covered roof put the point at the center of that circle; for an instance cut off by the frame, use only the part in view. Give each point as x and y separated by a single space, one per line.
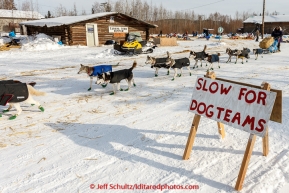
270 18
4 13
66 20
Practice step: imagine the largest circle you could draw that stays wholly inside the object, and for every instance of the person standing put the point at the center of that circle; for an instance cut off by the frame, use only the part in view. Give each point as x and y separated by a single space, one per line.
277 35
257 34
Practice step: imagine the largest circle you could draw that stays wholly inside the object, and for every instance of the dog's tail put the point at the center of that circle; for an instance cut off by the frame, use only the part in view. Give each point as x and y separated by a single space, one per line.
115 65
133 65
205 47
34 92
168 54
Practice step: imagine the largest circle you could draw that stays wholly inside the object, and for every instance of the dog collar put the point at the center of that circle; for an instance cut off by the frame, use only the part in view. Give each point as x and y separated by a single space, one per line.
90 71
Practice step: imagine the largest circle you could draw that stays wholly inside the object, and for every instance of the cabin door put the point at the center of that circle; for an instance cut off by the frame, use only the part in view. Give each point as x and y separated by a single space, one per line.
92 35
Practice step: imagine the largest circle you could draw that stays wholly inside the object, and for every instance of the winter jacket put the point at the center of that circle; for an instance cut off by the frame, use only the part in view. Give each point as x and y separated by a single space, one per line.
277 34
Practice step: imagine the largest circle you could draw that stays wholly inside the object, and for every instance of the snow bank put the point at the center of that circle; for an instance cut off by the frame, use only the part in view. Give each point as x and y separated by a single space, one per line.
39 42
108 53
4 40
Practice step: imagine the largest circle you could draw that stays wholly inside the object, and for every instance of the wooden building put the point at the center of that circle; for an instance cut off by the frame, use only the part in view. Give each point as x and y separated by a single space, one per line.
10 19
270 22
89 30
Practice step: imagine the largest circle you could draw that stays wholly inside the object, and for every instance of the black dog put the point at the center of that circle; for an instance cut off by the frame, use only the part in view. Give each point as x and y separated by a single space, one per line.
199 56
178 64
117 76
158 63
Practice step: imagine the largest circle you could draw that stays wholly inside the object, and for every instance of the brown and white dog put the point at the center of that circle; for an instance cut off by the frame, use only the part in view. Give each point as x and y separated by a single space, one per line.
231 53
158 63
199 56
93 71
117 76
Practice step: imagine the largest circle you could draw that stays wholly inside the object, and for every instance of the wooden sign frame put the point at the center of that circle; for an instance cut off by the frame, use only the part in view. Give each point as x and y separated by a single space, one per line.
276 116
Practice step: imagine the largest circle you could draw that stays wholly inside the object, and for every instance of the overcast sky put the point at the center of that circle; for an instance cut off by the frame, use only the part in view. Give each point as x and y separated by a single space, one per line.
225 7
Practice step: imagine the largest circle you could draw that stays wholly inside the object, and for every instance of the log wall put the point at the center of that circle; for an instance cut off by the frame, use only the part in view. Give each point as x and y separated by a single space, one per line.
75 34
269 26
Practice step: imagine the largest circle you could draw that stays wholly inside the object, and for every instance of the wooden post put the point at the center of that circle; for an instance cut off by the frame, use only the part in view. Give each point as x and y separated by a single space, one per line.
265 139
191 137
245 162
66 35
221 127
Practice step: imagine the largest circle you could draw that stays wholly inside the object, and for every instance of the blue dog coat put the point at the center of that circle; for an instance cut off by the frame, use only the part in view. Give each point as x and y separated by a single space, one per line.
98 70
215 58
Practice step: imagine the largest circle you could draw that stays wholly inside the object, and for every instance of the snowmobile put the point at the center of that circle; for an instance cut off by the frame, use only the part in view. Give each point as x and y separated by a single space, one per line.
134 45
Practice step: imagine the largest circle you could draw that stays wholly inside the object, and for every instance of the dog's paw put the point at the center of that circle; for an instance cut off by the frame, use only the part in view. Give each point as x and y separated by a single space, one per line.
156 75
104 85
201 65
121 89
190 74
12 117
193 67
212 68
89 89
179 75
126 89
41 108
168 73
5 111
134 84
0 115
173 79
111 93
219 66
206 64
32 104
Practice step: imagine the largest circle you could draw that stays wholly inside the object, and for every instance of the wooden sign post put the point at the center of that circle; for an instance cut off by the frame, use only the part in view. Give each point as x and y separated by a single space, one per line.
239 105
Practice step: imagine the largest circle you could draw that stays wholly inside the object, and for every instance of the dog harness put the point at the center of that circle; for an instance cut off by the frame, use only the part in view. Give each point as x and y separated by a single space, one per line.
214 58
181 62
259 51
159 65
98 70
117 76
11 91
200 55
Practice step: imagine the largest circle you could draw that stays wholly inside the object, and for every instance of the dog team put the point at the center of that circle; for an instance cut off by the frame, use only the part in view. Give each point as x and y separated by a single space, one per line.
105 75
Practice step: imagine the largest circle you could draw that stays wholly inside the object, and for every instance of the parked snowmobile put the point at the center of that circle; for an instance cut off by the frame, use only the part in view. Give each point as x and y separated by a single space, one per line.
134 45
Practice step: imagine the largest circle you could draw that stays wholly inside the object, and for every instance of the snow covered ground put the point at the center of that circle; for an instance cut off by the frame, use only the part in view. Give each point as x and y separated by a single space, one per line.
135 137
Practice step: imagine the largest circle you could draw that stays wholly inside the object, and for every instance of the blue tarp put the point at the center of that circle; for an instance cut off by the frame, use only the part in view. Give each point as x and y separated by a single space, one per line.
273 48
